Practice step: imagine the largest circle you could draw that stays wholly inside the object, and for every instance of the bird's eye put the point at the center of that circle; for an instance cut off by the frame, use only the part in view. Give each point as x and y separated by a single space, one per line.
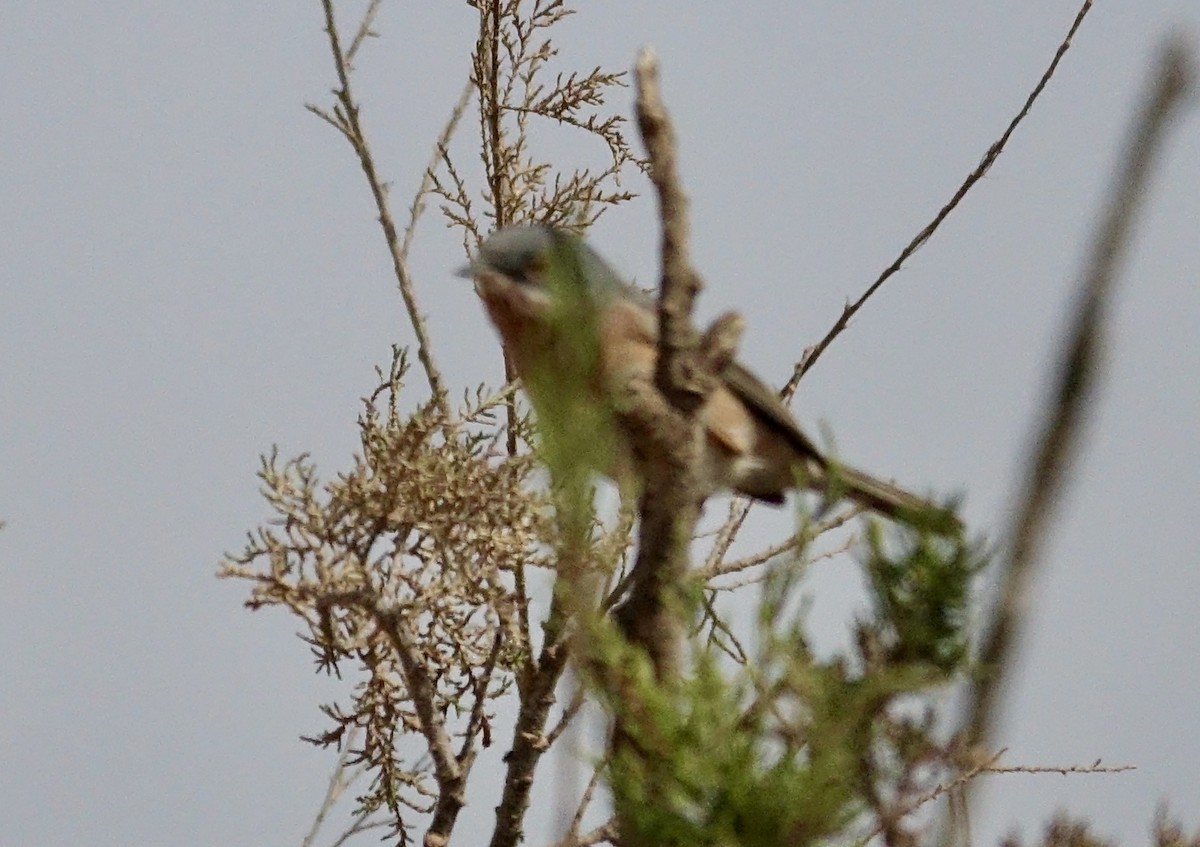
532 272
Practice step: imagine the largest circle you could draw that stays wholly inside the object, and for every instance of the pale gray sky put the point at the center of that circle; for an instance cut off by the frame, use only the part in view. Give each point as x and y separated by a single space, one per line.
190 272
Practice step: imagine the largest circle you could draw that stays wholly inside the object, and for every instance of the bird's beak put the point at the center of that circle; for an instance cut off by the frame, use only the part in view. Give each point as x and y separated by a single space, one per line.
466 271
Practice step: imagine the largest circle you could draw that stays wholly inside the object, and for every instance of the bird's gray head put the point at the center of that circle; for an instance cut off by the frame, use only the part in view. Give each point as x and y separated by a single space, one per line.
524 251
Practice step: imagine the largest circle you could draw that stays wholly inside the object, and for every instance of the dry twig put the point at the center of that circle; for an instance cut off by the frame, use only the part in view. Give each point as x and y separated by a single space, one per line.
345 119
813 353
739 509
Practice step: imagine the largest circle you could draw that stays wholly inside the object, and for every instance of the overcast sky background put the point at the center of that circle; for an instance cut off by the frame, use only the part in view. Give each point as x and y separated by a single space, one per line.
190 273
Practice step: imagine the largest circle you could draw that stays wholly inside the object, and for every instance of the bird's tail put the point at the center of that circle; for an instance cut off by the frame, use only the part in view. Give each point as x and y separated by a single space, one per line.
890 500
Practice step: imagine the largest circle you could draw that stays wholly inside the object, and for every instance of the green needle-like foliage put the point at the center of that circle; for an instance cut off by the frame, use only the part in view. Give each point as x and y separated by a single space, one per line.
921 596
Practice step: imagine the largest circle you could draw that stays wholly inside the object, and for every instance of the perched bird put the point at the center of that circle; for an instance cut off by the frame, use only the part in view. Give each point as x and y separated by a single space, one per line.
753 445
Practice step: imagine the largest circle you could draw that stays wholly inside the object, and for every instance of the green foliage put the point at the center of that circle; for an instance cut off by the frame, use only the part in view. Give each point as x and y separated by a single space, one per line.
575 423
921 596
703 772
792 749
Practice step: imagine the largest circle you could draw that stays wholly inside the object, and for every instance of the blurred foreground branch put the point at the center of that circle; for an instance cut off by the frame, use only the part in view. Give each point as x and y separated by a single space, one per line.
1081 360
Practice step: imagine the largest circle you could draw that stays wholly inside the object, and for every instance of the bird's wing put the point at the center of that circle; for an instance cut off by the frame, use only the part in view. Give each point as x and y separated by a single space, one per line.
766 403
635 324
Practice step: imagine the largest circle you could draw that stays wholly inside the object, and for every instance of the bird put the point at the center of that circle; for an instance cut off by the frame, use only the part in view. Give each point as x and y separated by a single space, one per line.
752 444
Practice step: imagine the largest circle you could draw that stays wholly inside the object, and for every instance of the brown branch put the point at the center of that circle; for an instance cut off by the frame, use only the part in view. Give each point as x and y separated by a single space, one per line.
739 509
606 833
813 353
715 568
529 739
346 119
451 773
417 208
833 552
1060 434
680 283
660 419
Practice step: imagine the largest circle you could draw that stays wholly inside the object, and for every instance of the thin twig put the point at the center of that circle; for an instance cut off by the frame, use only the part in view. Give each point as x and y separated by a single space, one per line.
1065 770
364 31
941 788
439 155
739 509
450 771
759 576
578 698
346 119
362 823
605 833
584 802
336 787
813 353
804 536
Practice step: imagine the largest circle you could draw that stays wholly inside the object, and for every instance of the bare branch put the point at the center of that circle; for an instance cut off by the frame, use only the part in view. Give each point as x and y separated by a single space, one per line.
660 421
813 353
680 282
417 208
1062 770
362 823
352 129
578 698
338 783
451 775
529 741
364 30
573 836
739 509
714 568
941 788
